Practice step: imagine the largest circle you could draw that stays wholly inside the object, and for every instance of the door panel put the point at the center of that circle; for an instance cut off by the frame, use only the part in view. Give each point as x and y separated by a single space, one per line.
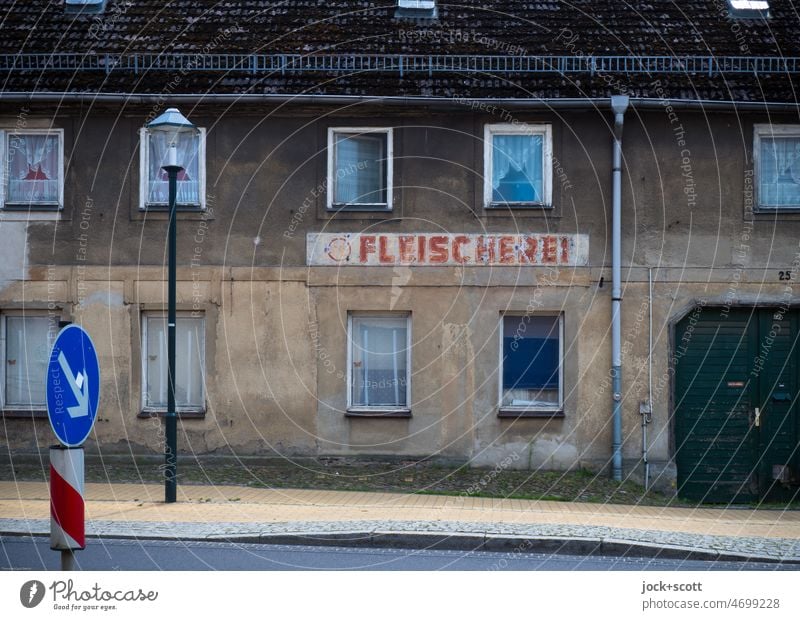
728 367
715 442
776 366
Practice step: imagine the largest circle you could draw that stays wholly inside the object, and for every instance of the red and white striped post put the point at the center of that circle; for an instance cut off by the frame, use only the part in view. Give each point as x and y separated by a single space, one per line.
66 503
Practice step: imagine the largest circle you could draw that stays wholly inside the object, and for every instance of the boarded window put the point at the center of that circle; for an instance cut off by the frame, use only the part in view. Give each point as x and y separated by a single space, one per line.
531 365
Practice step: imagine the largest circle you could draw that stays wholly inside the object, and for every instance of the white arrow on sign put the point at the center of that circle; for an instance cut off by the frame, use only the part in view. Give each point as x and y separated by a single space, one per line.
80 388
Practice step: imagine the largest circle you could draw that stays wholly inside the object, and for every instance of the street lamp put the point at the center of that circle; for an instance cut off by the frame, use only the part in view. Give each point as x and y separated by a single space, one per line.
171 124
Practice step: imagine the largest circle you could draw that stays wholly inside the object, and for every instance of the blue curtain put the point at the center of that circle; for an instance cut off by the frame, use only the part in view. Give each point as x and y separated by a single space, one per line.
517 168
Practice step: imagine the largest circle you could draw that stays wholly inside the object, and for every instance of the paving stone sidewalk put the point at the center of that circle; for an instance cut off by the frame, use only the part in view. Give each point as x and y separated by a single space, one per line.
280 516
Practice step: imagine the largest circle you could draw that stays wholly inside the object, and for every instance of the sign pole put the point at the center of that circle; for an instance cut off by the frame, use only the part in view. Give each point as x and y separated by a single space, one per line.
67 514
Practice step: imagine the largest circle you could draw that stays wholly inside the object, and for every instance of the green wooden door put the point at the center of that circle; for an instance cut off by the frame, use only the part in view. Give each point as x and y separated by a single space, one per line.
715 441
736 404
776 367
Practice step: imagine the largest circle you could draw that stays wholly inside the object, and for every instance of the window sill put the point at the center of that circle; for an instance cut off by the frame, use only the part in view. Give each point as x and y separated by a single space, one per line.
510 412
10 213
378 413
188 414
10 412
517 205
350 208
160 213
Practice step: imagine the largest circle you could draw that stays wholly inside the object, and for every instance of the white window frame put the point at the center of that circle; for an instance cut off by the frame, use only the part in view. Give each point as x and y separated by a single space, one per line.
144 167
331 181
767 130
546 131
10 207
4 352
351 408
538 409
143 347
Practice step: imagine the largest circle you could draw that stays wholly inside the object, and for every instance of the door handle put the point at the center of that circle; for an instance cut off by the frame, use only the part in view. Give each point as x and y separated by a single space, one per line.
757 421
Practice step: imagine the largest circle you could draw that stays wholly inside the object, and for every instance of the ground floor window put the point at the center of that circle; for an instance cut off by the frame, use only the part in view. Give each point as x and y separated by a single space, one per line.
531 375
25 341
189 362
379 361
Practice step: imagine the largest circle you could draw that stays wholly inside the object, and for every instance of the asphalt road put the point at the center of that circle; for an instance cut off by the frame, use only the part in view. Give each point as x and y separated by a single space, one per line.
27 553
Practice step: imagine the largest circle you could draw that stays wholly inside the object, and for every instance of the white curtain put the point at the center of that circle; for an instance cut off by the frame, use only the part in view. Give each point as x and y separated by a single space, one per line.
379 361
779 184
188 148
518 153
26 359
189 357
33 168
360 165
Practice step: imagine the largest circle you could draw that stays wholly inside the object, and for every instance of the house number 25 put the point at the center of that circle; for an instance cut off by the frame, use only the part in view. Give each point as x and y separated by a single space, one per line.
784 275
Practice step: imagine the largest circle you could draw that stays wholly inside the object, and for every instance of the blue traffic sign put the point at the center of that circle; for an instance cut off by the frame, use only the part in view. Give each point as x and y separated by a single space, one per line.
73 386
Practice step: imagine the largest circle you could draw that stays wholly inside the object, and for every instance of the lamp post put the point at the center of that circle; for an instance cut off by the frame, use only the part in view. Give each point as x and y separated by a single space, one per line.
171 124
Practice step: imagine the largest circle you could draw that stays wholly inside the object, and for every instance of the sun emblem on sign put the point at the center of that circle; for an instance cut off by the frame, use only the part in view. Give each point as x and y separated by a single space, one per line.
338 249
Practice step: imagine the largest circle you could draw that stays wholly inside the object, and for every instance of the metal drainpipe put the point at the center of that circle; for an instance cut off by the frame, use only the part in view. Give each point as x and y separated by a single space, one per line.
619 105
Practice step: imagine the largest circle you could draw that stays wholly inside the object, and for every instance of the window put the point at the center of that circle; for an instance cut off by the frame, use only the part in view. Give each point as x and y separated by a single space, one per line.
26 342
34 165
530 363
416 9
360 168
518 165
154 184
777 166
748 9
379 362
189 363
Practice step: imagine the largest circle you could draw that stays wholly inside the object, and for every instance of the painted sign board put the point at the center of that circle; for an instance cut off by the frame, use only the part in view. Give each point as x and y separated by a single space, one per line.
73 386
452 249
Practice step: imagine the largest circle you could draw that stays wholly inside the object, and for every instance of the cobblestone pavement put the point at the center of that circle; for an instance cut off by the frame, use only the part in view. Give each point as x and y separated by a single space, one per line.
238 513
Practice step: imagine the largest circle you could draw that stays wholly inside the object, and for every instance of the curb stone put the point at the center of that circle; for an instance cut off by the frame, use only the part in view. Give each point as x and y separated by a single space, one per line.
406 537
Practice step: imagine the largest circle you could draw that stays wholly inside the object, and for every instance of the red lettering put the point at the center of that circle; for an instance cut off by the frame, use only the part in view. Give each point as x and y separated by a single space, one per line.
406 243
438 247
531 246
564 250
506 244
484 250
458 241
421 241
367 246
549 249
383 252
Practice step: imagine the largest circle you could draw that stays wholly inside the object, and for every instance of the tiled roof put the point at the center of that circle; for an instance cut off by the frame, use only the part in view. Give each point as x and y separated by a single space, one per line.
569 28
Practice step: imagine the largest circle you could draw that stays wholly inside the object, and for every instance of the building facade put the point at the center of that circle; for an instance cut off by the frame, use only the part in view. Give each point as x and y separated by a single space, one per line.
408 258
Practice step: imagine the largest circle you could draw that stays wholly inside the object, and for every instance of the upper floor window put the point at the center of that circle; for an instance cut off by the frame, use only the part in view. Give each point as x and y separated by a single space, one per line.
360 168
154 186
518 165
34 169
777 166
